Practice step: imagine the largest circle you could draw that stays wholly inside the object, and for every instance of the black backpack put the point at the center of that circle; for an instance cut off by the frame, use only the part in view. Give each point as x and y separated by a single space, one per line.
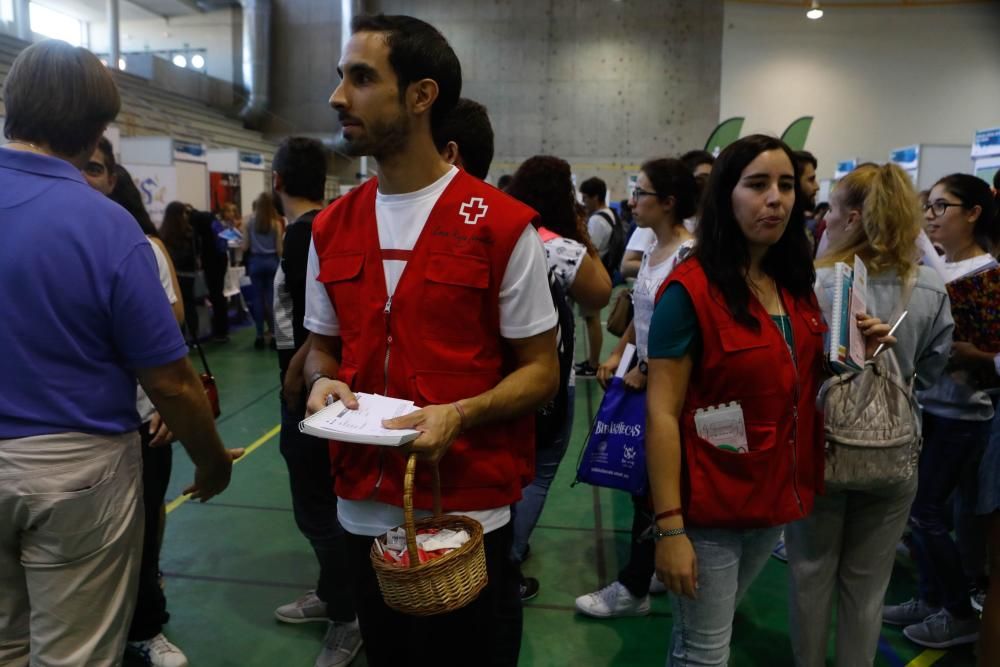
551 417
612 260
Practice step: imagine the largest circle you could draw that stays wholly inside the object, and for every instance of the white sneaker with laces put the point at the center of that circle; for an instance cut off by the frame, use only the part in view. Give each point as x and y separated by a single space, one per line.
306 609
612 601
341 644
942 630
656 587
158 652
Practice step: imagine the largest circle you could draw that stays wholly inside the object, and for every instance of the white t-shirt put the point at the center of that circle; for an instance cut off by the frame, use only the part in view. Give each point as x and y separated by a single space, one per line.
647 284
143 405
600 230
641 239
525 310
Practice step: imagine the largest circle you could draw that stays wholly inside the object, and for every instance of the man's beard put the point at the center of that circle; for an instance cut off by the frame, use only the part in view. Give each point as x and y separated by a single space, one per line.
380 140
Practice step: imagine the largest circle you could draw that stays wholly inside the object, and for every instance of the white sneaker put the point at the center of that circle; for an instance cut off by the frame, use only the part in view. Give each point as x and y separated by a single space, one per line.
612 601
341 644
306 609
779 551
157 652
656 587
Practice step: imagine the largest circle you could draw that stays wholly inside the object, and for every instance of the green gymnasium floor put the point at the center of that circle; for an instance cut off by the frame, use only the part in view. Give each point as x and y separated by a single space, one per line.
228 563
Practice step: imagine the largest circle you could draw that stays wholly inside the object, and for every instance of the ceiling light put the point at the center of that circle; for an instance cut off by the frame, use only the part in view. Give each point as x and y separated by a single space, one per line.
121 64
180 60
814 11
197 61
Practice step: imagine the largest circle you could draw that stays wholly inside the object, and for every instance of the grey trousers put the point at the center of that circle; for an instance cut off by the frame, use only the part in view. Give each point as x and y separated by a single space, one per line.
71 527
846 546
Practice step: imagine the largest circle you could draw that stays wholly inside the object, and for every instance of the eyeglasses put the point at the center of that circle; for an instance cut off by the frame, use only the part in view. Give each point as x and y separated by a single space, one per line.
939 207
639 192
94 169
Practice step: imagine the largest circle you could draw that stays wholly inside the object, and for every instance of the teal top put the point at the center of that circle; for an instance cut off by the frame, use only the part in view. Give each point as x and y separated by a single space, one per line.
674 332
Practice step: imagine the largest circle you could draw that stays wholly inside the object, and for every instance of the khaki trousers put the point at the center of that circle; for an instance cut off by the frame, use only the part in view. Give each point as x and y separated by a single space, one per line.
71 527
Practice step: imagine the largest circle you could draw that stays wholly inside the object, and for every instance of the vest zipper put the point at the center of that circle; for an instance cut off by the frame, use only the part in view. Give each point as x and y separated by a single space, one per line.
795 419
385 368
388 344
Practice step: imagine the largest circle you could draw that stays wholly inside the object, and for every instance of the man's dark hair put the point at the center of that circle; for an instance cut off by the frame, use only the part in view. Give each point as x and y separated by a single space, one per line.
301 163
504 182
721 246
59 95
802 158
417 50
468 125
594 187
692 159
107 153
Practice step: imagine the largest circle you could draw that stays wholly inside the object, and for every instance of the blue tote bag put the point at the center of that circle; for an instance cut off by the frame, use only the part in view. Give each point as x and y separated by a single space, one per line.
614 455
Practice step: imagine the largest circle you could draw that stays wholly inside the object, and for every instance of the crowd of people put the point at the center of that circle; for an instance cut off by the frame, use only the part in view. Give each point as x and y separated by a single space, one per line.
428 284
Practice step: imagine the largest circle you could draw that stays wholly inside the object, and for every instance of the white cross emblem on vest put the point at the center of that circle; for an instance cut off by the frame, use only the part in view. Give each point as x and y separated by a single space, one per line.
473 210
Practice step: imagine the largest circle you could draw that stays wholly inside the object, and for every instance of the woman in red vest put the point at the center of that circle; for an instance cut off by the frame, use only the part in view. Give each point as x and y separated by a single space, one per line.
736 328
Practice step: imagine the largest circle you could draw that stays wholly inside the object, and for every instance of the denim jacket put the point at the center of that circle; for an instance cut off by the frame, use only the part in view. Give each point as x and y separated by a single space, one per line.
924 337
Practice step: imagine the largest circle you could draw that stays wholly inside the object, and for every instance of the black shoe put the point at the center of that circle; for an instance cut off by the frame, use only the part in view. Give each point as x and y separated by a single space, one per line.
529 588
258 343
584 369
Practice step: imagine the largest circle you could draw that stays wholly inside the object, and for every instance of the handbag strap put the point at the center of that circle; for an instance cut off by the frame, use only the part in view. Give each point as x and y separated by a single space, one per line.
193 342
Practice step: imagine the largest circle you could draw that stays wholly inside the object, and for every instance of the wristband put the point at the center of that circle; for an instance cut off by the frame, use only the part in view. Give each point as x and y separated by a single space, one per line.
461 415
316 377
672 532
677 511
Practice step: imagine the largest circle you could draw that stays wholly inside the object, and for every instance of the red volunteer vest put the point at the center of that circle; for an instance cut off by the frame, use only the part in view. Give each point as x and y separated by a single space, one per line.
437 341
776 481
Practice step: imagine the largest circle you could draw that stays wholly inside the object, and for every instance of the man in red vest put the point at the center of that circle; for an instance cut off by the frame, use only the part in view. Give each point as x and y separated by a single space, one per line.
430 285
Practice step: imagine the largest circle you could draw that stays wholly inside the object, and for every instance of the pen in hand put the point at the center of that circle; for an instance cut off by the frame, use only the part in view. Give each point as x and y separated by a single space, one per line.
891 331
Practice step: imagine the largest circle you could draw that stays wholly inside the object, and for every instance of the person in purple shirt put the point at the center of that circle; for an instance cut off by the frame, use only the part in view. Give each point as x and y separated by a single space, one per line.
84 317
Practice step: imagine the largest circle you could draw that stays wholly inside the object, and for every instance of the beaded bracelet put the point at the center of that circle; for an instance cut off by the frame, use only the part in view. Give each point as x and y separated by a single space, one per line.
672 532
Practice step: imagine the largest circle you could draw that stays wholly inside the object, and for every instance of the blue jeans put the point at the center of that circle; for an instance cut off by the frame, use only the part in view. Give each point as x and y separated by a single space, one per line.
525 513
314 505
949 446
728 562
261 269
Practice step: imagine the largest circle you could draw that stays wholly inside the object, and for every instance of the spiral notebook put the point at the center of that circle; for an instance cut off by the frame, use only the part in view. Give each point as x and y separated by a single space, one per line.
850 297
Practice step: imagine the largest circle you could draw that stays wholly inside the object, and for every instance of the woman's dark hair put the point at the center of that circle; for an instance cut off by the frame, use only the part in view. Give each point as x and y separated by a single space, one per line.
108 153
176 230
129 198
264 213
545 183
972 192
721 247
672 178
59 95
418 50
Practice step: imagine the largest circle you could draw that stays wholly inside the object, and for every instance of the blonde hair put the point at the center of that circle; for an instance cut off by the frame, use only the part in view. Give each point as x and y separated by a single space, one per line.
890 220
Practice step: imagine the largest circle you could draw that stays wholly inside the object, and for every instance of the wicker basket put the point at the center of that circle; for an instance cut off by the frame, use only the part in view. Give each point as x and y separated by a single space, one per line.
441 585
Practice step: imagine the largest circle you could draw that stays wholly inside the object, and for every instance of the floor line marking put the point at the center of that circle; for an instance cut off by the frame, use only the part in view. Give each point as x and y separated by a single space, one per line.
926 659
183 498
232 580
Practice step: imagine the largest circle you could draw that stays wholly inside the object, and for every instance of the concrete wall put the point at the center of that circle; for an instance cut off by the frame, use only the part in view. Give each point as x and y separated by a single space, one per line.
218 32
602 84
875 79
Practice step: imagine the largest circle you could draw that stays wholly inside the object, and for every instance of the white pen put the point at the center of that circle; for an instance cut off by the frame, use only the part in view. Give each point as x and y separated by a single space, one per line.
891 331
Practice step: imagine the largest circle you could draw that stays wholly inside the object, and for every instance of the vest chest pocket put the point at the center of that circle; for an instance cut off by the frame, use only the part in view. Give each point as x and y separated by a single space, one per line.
455 294
341 275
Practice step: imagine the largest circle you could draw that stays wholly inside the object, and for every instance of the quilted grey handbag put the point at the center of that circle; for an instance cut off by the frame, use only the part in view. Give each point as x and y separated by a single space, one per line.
872 421
872 424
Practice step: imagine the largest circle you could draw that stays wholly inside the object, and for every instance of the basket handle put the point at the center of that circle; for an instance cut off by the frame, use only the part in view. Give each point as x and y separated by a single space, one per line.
408 481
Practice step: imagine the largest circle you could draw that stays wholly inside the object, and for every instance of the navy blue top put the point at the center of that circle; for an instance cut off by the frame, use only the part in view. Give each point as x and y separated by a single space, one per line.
81 302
